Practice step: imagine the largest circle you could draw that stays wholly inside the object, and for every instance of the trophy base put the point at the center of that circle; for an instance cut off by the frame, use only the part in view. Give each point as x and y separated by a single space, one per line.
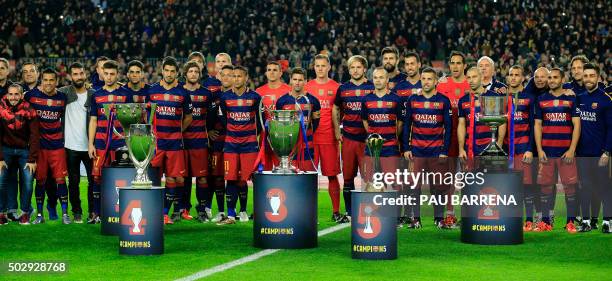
493 149
145 184
291 170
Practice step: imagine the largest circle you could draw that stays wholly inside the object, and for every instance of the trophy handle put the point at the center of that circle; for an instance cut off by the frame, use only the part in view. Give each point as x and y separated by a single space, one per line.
144 163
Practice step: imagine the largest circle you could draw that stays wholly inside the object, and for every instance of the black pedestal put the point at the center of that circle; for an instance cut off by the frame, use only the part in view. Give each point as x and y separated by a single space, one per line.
142 221
373 227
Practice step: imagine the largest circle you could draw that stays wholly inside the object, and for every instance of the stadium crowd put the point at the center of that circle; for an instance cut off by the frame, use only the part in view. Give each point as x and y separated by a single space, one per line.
525 32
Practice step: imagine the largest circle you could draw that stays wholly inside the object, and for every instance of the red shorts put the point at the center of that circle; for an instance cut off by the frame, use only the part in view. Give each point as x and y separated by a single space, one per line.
547 173
387 165
51 160
239 166
197 161
304 165
519 165
352 157
102 160
329 157
216 161
172 162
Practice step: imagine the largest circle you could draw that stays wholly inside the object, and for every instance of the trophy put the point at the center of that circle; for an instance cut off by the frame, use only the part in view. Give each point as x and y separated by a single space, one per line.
374 143
493 111
284 129
136 217
368 228
138 135
275 204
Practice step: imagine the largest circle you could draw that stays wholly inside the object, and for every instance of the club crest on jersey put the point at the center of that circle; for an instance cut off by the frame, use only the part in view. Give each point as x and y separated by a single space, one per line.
594 105
330 93
436 105
176 98
566 102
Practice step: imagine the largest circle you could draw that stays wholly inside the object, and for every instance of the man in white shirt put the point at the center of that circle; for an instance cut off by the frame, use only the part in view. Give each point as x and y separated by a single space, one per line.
75 133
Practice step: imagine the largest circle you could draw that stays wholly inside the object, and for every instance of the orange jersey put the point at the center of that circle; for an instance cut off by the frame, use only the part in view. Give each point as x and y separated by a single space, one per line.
269 95
326 93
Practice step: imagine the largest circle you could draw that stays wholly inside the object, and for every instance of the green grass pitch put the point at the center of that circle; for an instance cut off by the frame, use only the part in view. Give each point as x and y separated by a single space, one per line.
425 254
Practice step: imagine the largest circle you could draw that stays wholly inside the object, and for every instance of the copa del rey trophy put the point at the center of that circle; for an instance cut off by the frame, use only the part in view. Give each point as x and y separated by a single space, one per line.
138 135
493 112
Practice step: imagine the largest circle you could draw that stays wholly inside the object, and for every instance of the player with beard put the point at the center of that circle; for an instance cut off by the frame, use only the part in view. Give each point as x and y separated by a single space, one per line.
136 86
218 84
326 150
347 108
75 133
240 107
390 60
427 126
594 150
100 150
50 105
576 72
311 108
523 139
412 83
173 115
196 145
556 132
454 87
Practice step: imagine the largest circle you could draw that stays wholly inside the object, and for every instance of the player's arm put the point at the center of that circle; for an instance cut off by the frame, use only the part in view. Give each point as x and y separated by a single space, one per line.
461 137
406 131
537 134
316 114
448 125
364 116
93 125
528 156
336 115
571 152
187 109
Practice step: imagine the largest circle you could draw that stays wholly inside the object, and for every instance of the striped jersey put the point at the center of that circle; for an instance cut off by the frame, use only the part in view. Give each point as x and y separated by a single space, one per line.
172 105
96 109
595 123
310 106
481 132
396 80
240 116
213 121
196 136
50 111
556 114
137 96
349 98
382 115
428 125
523 123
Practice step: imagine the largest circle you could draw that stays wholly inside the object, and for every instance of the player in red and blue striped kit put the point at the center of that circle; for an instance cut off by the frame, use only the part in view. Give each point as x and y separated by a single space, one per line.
390 60
523 144
427 137
240 107
50 105
311 109
172 117
99 130
195 139
593 150
381 112
135 86
347 107
556 133
473 136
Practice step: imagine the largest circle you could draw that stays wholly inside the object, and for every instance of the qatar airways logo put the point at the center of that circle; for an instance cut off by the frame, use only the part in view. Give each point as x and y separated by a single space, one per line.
166 110
240 116
520 116
354 105
426 118
325 104
197 111
588 116
556 116
47 115
379 118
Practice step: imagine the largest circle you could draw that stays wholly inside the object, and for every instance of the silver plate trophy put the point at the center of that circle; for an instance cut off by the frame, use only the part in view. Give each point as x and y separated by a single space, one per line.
374 144
493 112
138 135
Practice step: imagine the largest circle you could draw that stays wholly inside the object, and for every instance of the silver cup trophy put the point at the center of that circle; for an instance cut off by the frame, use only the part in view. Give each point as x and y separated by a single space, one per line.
284 128
493 112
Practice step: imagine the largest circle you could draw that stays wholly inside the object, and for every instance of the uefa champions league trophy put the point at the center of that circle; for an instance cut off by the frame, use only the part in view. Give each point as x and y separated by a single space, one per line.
138 135
284 128
374 143
493 112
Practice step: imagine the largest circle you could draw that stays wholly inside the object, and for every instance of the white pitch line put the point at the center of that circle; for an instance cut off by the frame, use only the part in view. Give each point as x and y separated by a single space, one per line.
253 257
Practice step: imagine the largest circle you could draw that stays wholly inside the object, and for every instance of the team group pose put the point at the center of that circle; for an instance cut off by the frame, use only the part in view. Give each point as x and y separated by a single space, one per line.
208 131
